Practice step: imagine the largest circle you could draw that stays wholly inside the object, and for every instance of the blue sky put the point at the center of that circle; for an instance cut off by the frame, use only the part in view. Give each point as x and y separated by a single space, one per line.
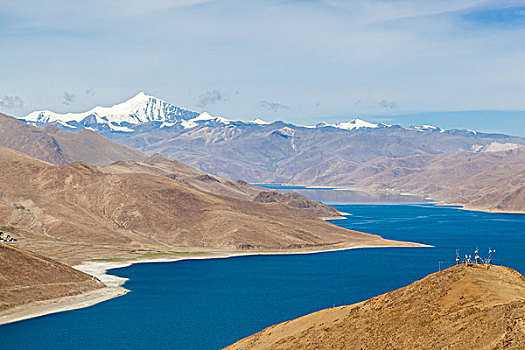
301 61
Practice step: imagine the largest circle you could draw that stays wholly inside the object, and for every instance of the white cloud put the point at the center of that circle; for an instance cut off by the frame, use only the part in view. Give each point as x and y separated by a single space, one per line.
423 53
210 97
272 106
9 102
68 98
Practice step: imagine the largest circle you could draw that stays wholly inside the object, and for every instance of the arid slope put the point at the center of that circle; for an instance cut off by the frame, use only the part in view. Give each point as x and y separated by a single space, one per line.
459 308
27 277
76 212
61 147
492 181
162 166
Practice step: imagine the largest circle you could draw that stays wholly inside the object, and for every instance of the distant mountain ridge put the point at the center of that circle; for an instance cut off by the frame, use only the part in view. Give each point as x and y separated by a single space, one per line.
262 152
323 154
123 117
492 181
77 211
143 112
57 146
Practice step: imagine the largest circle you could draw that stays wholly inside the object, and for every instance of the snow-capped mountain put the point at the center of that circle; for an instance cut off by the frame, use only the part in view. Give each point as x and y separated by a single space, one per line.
352 125
207 119
123 117
259 122
143 113
427 127
264 152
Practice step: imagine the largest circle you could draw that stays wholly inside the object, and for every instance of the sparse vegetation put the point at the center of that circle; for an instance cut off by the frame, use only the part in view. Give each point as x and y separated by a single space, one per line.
150 255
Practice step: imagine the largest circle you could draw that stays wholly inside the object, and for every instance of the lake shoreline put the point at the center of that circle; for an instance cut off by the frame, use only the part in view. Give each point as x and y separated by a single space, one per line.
481 210
114 289
428 199
51 306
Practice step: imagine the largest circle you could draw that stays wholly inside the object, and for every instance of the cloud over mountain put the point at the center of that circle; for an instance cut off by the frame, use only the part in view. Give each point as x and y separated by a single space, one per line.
9 102
68 98
210 97
272 106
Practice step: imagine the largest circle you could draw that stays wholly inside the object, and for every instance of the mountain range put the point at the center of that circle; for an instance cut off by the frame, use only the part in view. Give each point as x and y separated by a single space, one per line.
143 112
263 152
77 211
61 147
491 181
63 209
324 154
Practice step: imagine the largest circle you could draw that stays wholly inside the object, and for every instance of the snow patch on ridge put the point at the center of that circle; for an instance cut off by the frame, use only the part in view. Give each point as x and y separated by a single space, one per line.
426 127
259 122
139 109
143 112
499 147
350 125
204 117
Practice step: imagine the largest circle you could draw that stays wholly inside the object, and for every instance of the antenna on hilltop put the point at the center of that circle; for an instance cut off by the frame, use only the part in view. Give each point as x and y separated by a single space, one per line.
476 255
490 255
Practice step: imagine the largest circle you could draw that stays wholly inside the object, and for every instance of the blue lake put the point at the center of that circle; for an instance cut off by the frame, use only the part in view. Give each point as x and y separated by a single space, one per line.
339 196
208 304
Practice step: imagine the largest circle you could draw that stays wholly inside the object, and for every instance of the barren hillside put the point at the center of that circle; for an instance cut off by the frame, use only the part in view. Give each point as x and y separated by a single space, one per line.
488 181
162 166
27 277
76 212
459 308
60 147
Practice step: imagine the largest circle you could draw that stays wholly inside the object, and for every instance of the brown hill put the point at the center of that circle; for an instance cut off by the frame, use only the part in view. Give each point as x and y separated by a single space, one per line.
459 308
431 162
296 200
76 212
162 166
61 147
27 277
286 153
489 181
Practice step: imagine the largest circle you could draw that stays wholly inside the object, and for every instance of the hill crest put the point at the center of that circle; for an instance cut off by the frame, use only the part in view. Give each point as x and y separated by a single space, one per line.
457 308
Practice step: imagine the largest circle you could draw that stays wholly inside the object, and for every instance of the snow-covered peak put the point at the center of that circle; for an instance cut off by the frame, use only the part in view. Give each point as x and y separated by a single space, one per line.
205 118
350 125
139 109
426 127
208 117
144 112
356 124
259 122
499 147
